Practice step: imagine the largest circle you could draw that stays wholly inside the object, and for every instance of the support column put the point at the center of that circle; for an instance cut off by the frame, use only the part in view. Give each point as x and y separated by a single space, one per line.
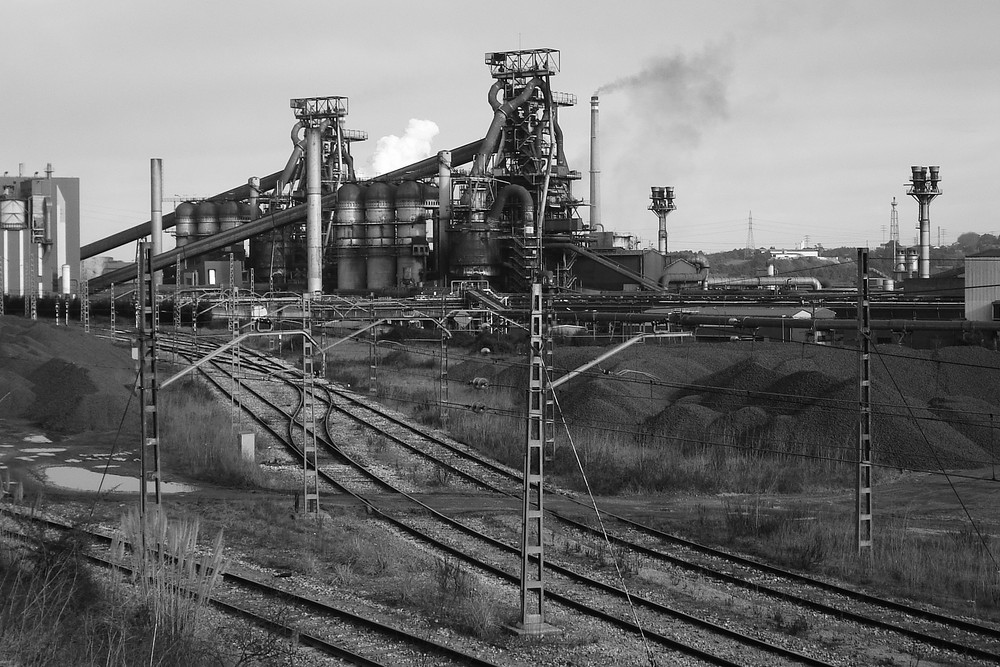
314 212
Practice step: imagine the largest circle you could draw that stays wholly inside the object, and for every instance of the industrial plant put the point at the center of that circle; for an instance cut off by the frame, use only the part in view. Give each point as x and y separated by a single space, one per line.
473 226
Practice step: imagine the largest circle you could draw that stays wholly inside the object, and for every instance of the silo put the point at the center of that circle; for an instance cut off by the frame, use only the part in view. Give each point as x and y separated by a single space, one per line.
411 233
206 219
349 237
184 223
380 236
228 212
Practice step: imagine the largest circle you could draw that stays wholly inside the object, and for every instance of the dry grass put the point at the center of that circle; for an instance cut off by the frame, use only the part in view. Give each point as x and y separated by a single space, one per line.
198 440
174 579
56 610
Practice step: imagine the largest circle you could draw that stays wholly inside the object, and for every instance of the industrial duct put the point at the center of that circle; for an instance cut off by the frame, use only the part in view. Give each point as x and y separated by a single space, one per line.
488 147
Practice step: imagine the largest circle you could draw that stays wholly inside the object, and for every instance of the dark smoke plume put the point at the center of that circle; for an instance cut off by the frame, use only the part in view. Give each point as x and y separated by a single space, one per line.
652 124
680 92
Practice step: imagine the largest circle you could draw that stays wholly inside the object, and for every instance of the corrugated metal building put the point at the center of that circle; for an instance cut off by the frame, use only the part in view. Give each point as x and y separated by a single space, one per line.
982 286
40 215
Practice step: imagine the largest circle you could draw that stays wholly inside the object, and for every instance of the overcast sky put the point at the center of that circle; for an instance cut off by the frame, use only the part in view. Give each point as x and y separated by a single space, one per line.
807 113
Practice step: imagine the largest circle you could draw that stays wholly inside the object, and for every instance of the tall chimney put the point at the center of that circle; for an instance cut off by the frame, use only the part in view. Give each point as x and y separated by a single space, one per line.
595 168
156 211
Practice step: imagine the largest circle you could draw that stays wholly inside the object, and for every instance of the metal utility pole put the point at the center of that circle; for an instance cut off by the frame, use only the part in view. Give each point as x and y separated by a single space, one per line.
863 507
149 452
532 536
310 474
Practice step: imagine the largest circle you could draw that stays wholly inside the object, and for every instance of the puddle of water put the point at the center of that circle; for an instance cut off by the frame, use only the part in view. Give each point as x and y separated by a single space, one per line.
41 439
6 446
25 458
43 450
81 479
73 461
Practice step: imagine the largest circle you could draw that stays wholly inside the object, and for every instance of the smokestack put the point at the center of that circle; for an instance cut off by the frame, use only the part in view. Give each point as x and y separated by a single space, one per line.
156 211
924 190
662 199
48 170
595 168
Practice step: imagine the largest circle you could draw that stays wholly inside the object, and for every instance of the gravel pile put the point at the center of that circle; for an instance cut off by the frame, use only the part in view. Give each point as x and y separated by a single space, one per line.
932 407
61 379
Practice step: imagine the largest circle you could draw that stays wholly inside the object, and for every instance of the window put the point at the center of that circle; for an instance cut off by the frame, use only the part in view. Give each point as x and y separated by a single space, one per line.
211 276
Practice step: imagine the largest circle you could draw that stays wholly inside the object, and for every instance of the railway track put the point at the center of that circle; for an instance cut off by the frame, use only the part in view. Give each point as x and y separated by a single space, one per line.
305 618
778 586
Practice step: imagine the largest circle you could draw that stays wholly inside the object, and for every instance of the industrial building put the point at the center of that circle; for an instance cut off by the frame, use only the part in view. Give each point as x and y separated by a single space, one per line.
499 210
40 226
476 225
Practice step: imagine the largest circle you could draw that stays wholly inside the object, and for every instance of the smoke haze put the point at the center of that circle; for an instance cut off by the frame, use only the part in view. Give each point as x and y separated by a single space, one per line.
651 123
392 152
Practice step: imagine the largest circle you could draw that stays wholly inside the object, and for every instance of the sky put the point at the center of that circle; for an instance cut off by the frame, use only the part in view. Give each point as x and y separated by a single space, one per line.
804 114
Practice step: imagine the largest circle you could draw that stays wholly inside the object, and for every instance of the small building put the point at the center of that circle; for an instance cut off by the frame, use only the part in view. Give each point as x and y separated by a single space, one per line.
982 286
684 274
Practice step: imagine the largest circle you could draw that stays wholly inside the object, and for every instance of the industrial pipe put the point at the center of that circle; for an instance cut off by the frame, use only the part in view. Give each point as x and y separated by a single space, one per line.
489 144
293 159
501 201
139 231
765 281
444 215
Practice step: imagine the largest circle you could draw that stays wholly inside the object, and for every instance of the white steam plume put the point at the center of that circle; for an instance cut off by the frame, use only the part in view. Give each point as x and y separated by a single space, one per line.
393 152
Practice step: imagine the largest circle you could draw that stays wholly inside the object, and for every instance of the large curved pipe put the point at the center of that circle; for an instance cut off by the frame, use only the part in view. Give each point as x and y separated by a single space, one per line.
492 95
299 144
488 147
501 201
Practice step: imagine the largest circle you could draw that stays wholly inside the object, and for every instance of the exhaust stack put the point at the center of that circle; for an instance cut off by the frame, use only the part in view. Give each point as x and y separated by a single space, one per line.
156 211
924 188
595 167
662 204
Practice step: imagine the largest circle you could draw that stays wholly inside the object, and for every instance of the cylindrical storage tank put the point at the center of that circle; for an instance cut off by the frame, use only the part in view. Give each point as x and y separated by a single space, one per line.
13 215
228 212
206 219
184 223
409 207
912 260
349 237
899 262
380 236
411 238
889 285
